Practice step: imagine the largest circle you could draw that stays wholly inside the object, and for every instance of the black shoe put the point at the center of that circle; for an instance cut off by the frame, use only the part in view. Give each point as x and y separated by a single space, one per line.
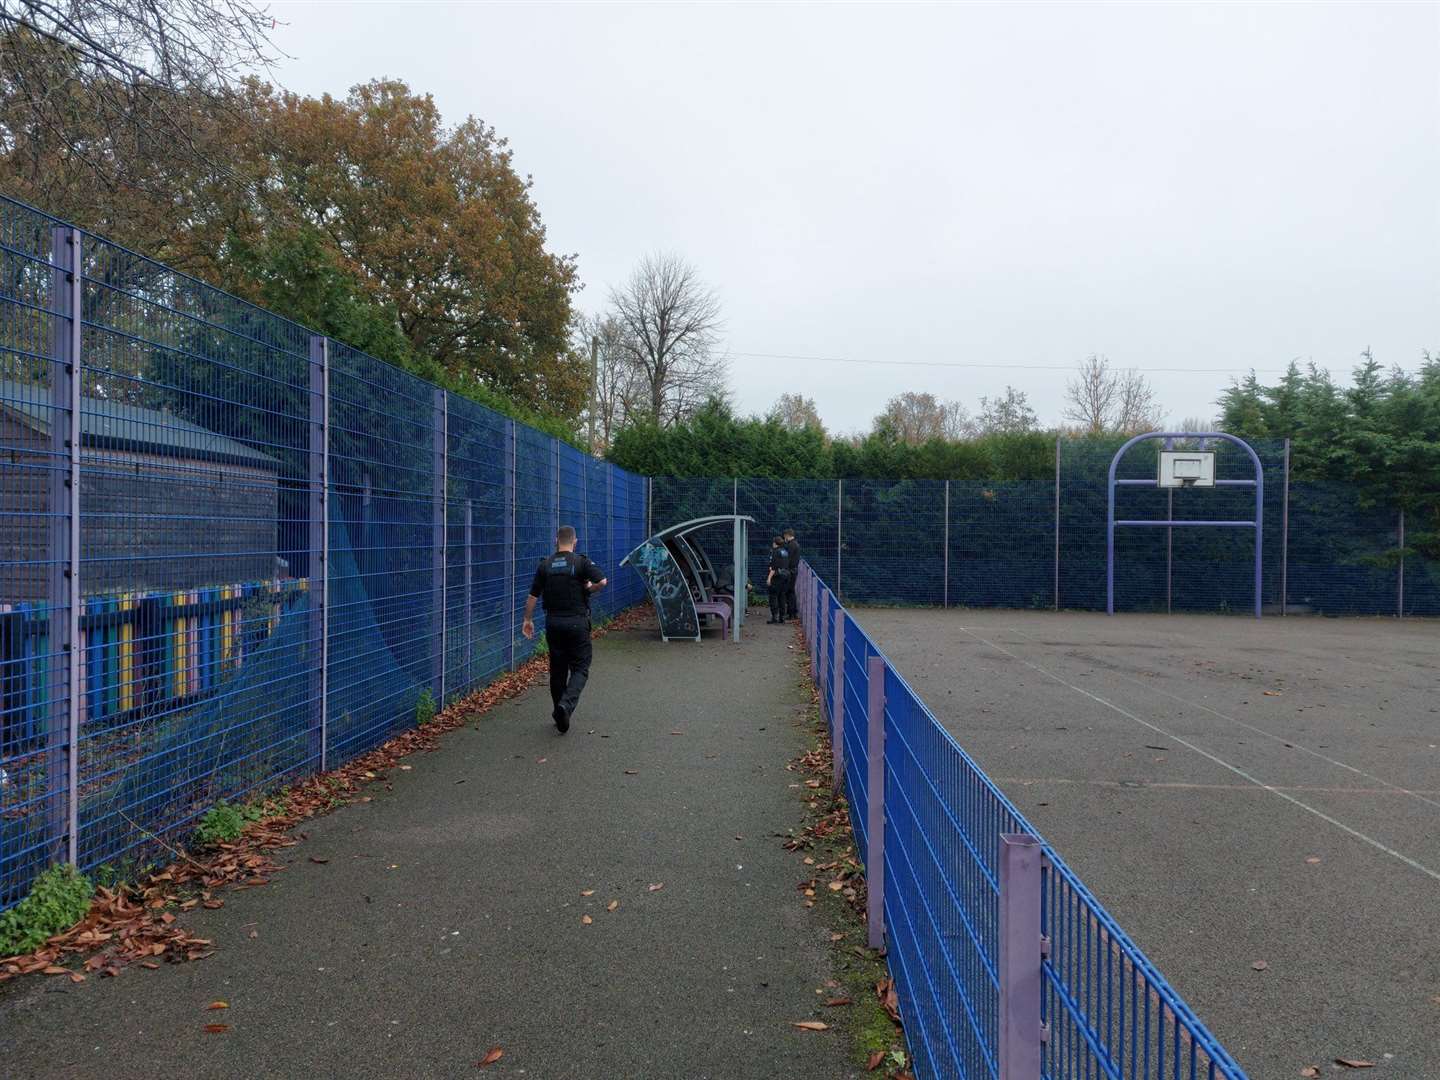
562 719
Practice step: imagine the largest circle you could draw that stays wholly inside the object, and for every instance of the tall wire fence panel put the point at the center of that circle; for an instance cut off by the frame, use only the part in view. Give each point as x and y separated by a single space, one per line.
236 552
1097 1007
1325 548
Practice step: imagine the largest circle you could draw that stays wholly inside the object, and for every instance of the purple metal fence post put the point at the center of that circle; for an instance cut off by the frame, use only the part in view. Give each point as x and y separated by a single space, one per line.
511 484
320 543
1022 1033
63 597
1057 523
469 593
823 650
875 804
438 490
837 703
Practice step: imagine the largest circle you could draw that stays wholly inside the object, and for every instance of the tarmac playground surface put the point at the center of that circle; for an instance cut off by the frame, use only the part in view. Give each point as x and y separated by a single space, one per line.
1236 792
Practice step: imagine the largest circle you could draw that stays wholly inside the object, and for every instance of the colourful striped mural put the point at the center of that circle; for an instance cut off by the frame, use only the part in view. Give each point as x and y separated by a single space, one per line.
145 653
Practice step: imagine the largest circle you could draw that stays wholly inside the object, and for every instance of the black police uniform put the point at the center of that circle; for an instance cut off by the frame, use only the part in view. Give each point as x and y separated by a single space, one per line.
560 584
781 582
792 606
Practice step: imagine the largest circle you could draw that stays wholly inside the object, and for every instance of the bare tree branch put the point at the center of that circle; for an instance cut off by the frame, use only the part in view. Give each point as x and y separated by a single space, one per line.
669 324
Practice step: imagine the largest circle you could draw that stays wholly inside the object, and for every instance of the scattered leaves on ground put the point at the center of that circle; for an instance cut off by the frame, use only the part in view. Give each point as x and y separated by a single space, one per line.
130 923
494 1055
810 1025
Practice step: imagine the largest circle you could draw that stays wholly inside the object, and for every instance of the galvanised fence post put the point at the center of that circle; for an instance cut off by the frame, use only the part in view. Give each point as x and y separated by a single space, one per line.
62 743
1400 581
1022 1031
875 806
837 702
319 570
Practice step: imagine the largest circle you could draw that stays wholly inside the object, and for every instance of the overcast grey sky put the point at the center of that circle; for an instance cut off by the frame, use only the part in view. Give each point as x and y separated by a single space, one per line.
1174 186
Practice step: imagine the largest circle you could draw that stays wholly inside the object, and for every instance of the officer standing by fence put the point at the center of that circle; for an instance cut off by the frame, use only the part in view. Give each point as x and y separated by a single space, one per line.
792 546
778 579
564 582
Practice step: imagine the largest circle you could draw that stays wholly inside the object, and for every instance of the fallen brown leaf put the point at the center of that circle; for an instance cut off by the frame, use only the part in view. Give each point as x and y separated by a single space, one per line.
150 964
214 1005
612 905
1310 1072
1313 859
838 1001
318 861
217 1029
587 892
873 1062
493 1056
810 1025
586 920
632 772
1260 965
1354 1063
656 887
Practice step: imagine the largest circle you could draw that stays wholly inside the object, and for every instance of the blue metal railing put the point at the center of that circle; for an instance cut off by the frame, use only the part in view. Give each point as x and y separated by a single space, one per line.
1110 1014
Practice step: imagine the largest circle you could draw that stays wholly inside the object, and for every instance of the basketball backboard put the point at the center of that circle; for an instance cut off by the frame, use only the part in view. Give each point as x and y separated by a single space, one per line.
1186 468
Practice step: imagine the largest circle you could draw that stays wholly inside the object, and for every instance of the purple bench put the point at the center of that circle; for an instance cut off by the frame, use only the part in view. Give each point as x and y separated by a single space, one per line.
716 607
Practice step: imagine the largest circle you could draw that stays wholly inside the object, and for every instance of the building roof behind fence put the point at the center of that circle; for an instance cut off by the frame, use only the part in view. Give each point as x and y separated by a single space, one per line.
117 425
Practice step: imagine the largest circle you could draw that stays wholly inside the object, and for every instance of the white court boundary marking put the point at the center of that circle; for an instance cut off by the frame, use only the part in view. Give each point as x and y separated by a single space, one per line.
1289 743
1356 833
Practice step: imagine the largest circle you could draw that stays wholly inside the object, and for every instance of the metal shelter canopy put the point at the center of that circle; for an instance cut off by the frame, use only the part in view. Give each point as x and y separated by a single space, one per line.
1258 524
677 569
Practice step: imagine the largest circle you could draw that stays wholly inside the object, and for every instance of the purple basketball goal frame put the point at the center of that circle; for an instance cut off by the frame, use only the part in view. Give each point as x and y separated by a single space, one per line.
1258 524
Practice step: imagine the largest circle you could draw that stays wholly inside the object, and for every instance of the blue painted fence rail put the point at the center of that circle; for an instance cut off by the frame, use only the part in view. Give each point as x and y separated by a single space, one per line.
234 552
1109 1013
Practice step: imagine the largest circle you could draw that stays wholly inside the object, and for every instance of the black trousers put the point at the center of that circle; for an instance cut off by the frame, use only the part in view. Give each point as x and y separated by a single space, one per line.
777 591
792 606
568 637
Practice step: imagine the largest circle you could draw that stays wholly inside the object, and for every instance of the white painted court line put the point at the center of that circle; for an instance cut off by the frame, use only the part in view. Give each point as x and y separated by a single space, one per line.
1356 833
1288 743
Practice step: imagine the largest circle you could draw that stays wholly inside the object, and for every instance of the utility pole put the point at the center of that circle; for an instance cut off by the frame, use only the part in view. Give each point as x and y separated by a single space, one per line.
594 367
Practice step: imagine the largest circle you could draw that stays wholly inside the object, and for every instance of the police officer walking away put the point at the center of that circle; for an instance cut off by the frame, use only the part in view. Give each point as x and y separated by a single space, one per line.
792 546
564 582
778 578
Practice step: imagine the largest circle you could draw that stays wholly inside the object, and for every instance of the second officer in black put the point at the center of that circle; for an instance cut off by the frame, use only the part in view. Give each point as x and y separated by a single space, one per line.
564 582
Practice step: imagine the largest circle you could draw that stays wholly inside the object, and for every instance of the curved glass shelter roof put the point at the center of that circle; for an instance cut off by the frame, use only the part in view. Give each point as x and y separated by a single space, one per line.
679 571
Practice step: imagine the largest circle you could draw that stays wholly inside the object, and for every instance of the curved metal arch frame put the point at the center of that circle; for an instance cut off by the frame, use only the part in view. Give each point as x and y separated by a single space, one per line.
695 557
1258 524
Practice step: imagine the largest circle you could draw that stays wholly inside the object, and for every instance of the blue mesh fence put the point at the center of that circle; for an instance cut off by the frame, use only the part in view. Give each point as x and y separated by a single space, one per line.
1326 549
1108 1011
280 547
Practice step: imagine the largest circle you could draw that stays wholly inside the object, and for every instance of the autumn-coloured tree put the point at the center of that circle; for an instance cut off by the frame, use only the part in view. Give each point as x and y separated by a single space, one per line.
915 418
435 225
796 412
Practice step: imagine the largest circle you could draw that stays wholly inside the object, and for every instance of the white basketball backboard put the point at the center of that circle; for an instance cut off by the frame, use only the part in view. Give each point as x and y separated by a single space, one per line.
1186 468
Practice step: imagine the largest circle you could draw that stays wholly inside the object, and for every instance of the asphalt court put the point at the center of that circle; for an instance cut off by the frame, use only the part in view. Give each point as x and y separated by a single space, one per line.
1234 791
